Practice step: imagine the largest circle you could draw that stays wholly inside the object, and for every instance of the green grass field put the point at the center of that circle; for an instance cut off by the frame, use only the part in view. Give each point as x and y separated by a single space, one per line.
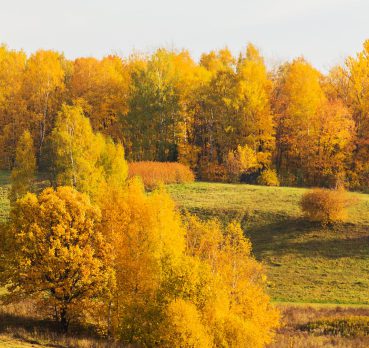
305 262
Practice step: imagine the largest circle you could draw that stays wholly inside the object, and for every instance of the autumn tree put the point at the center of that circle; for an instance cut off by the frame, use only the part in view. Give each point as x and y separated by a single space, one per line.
102 90
43 84
330 150
156 125
76 150
354 84
58 254
83 159
13 120
253 99
242 161
216 125
146 233
299 96
238 302
113 163
233 110
174 281
23 172
315 131
184 327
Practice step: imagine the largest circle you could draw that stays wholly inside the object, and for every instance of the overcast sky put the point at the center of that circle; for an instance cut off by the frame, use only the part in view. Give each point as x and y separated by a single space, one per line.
323 31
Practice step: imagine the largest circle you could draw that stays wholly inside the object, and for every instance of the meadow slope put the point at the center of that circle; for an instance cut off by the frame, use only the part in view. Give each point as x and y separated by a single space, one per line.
306 263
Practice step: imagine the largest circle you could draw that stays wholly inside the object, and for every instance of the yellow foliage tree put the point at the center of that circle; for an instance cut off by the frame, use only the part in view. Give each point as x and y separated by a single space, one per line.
332 141
84 159
253 89
43 85
145 231
356 93
13 121
168 271
58 253
76 150
102 88
239 313
23 172
299 97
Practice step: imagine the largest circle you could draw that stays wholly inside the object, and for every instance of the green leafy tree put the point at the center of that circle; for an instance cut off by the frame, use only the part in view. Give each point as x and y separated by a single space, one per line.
155 124
84 159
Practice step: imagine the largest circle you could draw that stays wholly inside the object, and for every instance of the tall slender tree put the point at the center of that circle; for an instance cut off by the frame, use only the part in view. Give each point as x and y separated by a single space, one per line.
23 172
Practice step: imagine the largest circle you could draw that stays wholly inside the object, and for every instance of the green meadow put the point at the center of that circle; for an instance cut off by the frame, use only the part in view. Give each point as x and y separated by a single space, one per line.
306 263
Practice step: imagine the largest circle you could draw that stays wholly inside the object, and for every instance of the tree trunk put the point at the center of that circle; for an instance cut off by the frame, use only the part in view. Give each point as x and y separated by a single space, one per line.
64 322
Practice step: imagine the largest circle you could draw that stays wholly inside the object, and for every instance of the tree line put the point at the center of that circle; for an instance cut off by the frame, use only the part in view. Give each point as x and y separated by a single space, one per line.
229 118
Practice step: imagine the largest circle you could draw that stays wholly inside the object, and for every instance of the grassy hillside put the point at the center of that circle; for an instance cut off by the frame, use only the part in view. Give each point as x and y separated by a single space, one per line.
305 262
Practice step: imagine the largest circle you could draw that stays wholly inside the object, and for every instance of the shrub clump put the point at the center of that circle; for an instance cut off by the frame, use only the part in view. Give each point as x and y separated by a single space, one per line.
325 205
155 173
353 326
268 177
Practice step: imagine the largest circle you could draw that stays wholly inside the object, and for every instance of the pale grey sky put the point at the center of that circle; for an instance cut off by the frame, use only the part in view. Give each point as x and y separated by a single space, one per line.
323 31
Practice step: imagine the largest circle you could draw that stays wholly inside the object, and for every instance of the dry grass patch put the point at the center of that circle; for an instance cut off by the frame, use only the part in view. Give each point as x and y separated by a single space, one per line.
299 329
351 326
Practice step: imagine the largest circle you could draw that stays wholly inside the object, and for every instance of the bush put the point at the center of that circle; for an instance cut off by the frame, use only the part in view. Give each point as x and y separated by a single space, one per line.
154 173
325 206
353 326
268 177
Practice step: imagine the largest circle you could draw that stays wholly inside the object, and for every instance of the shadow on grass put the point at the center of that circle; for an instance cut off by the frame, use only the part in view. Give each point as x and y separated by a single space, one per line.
304 238
278 234
355 248
32 330
8 322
